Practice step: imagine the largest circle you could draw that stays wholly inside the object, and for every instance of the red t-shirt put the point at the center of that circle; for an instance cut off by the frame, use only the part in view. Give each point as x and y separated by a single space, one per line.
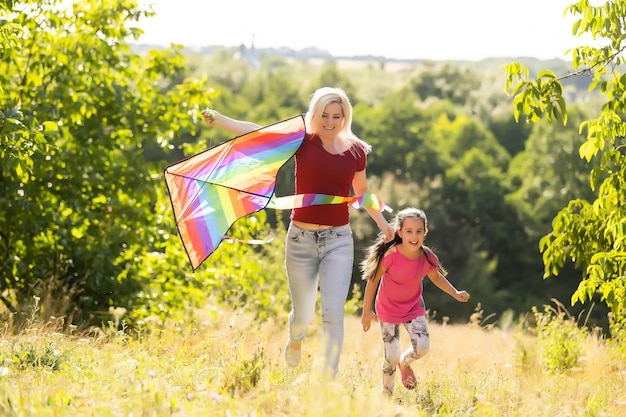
399 297
320 172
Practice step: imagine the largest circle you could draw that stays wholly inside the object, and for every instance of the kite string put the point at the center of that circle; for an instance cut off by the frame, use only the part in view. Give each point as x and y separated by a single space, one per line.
231 239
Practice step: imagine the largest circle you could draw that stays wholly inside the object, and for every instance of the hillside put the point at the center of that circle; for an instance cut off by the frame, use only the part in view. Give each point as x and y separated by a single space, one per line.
223 363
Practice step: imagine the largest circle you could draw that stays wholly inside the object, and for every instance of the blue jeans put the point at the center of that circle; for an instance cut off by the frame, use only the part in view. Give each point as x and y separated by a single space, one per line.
322 257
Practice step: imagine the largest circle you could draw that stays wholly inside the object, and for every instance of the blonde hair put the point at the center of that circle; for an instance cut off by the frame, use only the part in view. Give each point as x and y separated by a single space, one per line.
377 251
321 98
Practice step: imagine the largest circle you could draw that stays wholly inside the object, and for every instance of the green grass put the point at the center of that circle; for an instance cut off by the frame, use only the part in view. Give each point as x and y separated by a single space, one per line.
223 363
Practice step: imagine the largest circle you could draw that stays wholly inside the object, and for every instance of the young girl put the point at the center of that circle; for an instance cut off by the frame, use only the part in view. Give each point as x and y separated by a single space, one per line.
399 266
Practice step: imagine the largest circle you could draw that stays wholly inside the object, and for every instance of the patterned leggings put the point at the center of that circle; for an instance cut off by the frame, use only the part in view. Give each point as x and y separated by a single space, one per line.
420 344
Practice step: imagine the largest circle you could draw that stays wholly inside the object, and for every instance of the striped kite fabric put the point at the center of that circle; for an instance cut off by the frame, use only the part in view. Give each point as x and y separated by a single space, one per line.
209 191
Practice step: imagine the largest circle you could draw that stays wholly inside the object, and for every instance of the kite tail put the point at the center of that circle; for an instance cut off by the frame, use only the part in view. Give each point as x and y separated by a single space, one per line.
367 200
370 200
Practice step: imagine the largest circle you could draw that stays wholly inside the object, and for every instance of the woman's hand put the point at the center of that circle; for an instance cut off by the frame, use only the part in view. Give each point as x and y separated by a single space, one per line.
389 233
209 115
366 319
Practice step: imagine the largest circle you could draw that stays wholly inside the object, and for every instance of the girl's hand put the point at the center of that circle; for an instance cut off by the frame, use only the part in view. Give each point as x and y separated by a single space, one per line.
366 319
462 296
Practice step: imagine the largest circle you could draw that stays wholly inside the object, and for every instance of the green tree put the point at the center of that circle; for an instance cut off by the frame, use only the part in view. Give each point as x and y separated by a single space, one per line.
453 135
331 76
589 233
446 82
548 174
77 217
397 129
21 135
491 106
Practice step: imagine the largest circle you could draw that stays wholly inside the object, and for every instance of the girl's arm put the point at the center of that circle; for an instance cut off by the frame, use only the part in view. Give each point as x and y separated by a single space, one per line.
445 285
359 184
238 127
368 299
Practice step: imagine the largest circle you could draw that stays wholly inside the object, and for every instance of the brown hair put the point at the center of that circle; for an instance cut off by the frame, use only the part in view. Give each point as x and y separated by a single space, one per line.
375 252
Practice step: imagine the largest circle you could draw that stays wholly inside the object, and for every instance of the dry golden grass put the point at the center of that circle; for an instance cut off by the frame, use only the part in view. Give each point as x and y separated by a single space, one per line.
225 364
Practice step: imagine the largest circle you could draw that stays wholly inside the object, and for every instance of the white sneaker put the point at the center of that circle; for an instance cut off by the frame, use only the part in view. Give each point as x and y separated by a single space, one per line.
292 355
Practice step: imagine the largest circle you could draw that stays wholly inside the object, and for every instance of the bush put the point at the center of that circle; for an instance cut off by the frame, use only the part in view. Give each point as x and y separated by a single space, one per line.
560 338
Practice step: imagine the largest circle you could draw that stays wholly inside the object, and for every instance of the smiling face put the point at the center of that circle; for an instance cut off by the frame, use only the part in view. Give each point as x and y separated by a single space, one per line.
412 233
331 121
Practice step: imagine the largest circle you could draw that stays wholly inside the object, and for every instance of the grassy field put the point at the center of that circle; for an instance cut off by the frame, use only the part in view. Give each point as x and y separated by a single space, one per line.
224 363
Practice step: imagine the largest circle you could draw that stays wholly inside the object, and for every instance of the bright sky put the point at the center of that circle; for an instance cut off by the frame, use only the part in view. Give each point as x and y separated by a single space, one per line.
414 29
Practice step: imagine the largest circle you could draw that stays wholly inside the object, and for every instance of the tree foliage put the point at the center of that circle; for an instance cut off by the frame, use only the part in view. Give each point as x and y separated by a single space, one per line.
591 234
77 197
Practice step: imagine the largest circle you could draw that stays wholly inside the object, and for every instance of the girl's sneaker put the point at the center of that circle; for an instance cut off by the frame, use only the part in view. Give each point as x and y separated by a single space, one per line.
408 377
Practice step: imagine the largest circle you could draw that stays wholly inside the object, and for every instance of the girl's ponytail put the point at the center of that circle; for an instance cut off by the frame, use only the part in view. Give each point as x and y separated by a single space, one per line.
375 254
434 260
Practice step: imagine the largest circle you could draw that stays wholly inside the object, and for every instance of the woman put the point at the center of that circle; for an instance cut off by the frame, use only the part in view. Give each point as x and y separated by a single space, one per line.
320 248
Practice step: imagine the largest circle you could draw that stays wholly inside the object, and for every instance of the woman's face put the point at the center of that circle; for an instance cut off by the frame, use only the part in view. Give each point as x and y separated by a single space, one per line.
332 119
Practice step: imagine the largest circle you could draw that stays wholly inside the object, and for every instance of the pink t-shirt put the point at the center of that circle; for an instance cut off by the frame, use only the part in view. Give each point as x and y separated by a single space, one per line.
399 297
319 172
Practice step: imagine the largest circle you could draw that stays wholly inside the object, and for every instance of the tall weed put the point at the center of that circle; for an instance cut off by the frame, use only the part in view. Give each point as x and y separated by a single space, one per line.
560 338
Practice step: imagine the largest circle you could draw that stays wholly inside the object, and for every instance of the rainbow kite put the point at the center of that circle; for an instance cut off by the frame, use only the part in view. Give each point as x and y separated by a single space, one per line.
209 191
